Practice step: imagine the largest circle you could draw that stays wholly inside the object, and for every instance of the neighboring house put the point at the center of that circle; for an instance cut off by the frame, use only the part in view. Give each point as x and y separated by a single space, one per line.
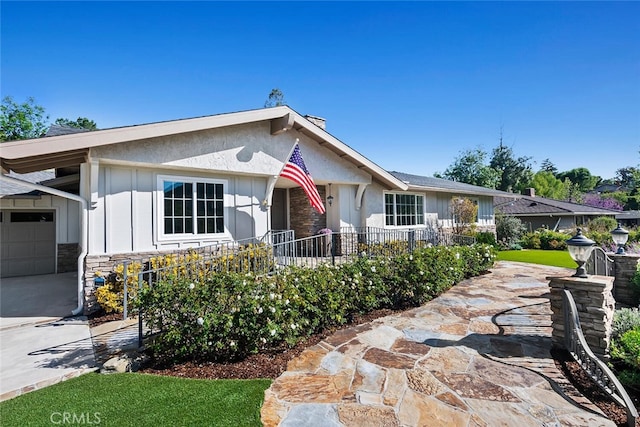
539 212
628 218
189 183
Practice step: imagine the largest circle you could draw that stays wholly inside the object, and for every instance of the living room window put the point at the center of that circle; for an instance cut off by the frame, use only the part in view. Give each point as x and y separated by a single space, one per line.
404 209
190 206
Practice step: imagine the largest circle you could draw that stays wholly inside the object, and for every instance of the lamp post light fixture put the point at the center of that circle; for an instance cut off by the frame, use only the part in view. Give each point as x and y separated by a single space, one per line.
620 237
330 198
580 249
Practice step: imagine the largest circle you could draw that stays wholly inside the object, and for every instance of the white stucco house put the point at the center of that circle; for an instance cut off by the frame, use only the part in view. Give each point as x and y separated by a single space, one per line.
193 182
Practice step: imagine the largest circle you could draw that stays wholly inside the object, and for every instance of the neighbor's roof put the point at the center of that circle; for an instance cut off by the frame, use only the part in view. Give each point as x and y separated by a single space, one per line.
7 189
628 215
535 206
417 182
69 150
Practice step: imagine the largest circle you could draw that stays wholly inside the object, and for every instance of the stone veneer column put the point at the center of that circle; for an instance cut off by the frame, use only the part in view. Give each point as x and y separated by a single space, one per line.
625 268
303 219
595 305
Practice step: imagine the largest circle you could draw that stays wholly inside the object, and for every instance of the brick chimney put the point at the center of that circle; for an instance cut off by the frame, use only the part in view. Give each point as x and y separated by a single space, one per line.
531 192
318 121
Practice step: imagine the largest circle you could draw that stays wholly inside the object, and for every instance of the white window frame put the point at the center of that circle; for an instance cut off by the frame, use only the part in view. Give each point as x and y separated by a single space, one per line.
159 203
395 210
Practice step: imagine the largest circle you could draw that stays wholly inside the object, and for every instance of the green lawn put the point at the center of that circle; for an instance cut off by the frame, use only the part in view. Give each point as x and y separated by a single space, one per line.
139 400
537 256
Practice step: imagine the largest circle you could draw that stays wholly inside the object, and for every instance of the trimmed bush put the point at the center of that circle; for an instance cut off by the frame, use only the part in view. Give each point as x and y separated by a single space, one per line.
509 230
545 239
226 316
486 237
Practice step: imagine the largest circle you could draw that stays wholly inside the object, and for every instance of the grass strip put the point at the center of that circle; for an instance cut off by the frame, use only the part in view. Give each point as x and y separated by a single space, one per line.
539 256
139 400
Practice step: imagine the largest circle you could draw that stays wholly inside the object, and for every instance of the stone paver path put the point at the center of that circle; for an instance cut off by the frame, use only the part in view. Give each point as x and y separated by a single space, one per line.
479 355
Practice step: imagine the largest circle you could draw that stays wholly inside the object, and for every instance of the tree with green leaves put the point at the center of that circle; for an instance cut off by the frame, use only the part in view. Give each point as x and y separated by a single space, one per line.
547 185
582 178
515 173
628 177
21 121
469 167
548 166
79 123
275 99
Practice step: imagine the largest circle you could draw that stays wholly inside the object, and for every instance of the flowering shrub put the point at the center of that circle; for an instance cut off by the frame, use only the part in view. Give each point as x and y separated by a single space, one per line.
225 316
110 296
600 201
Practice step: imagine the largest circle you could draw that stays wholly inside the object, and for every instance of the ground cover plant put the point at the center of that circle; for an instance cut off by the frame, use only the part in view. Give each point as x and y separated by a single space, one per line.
539 256
227 316
625 342
139 400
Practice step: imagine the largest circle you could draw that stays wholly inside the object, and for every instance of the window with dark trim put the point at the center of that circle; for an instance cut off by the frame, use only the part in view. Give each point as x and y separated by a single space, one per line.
403 209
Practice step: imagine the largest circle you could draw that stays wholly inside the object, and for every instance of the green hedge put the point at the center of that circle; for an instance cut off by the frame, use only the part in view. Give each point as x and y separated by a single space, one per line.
227 316
545 239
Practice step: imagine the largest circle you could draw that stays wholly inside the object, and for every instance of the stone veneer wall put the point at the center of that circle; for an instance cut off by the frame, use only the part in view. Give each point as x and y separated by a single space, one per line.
303 219
625 268
105 264
595 305
68 257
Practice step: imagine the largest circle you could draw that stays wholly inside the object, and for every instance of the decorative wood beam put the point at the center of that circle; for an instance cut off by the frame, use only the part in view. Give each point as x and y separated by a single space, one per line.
282 124
359 195
268 196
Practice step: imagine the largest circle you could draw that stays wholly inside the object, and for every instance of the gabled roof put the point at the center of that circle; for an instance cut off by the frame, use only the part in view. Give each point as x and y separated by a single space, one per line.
535 206
417 182
69 150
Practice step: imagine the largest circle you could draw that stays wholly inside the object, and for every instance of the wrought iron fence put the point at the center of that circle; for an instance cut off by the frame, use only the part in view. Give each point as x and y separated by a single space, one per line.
599 263
596 369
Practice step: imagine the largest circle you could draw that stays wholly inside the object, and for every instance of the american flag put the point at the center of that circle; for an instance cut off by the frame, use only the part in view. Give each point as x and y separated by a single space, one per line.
296 171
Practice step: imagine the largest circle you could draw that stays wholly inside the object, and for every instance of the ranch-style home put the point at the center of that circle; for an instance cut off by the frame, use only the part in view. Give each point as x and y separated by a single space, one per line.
138 190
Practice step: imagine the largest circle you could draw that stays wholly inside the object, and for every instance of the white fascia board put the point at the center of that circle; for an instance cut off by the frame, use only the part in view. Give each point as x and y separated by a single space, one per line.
349 152
83 140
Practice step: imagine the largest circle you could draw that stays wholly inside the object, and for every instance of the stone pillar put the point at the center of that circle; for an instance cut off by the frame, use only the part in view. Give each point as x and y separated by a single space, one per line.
595 305
625 268
303 219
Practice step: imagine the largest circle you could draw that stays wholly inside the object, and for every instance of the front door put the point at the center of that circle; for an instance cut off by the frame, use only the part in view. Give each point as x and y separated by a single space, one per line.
279 209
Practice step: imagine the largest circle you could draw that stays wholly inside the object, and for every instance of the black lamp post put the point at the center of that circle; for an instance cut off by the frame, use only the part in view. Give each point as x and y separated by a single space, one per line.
620 237
580 249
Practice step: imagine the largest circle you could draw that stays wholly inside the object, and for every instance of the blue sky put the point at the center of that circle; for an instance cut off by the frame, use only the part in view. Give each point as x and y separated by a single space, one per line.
409 85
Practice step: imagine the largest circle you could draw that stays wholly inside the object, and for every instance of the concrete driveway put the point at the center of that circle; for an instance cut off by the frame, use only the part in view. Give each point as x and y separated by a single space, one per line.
38 345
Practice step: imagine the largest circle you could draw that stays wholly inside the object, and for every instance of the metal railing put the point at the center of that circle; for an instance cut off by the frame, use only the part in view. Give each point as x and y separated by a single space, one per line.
596 369
599 263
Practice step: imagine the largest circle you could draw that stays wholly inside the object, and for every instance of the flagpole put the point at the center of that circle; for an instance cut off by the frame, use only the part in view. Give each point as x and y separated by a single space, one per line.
288 156
272 181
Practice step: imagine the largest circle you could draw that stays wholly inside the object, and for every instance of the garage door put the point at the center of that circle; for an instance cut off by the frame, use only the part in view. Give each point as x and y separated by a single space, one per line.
27 243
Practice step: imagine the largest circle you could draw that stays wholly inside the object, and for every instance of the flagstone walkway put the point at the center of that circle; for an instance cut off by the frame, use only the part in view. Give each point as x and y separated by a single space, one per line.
479 355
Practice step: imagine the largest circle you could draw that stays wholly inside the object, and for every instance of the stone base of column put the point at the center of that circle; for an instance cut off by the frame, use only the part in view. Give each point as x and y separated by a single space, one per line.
595 305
